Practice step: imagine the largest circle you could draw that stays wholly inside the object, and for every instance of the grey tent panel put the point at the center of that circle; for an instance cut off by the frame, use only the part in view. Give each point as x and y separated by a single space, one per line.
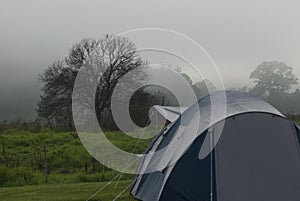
257 158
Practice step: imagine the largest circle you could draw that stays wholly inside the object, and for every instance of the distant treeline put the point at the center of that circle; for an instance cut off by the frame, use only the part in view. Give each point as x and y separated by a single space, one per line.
105 61
287 103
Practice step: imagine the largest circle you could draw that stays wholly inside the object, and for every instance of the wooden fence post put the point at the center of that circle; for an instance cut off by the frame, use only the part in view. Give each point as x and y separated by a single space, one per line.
3 149
4 154
45 162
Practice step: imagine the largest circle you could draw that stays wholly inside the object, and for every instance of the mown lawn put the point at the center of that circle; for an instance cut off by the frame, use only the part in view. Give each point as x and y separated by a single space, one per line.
66 192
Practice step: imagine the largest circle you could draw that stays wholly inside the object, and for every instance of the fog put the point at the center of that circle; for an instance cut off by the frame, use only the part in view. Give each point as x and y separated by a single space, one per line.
238 35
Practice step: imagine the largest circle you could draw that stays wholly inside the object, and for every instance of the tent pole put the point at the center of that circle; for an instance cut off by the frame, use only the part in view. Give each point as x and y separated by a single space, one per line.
211 164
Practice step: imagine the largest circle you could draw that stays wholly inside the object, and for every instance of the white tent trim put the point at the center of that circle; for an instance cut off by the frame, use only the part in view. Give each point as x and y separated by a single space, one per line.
170 113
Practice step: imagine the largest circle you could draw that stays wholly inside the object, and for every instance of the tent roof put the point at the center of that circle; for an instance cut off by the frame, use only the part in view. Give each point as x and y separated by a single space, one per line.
193 123
212 109
235 103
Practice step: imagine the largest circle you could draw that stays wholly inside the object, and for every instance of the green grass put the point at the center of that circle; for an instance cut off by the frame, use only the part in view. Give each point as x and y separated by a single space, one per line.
22 159
66 192
22 167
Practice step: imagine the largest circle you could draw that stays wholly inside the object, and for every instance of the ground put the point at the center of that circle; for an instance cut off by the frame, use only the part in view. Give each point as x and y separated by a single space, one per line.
66 192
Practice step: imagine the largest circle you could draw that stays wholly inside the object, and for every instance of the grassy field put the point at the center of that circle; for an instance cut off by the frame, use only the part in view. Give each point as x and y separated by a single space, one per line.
22 158
66 192
73 174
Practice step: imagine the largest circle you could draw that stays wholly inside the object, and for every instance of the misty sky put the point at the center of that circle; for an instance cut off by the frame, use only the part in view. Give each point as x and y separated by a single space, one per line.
237 34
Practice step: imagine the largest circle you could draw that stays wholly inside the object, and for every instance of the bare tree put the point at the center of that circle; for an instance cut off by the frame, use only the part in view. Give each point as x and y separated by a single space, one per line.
106 61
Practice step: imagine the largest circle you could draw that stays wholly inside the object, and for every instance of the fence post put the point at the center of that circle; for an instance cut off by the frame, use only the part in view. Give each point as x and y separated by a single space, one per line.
3 150
4 154
45 161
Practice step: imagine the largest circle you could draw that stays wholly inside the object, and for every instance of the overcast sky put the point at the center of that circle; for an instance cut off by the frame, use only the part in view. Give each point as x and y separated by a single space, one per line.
237 34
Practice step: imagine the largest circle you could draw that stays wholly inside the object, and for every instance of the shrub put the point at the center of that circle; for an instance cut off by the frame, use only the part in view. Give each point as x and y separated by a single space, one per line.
4 177
17 176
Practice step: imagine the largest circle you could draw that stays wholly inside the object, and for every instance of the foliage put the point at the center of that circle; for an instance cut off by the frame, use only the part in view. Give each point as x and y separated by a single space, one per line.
272 77
18 176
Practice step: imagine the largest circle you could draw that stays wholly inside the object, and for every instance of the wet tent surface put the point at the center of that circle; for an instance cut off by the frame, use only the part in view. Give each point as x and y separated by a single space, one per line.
257 158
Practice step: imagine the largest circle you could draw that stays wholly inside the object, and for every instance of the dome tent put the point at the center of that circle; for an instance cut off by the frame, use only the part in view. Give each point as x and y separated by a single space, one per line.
256 158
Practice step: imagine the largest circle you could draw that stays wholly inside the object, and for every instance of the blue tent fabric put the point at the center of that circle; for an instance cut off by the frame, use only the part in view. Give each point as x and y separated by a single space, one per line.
298 131
153 180
184 183
180 181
